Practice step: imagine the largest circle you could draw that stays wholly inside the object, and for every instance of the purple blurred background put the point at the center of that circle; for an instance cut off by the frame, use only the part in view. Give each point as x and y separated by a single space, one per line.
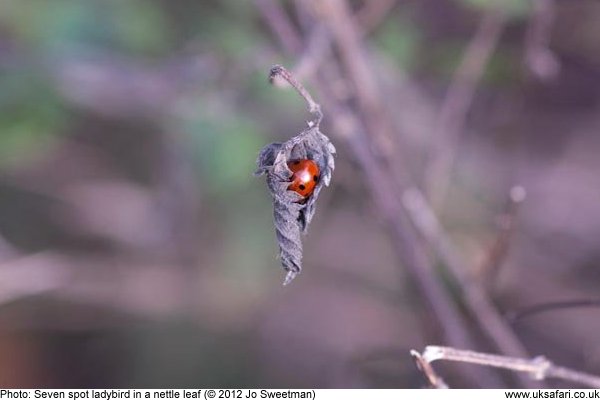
137 249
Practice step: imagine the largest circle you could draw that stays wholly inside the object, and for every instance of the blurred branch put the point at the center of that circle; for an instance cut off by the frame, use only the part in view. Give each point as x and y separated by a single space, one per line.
278 71
538 368
498 251
491 322
88 280
453 112
408 248
178 199
368 18
275 16
539 59
352 130
518 315
373 12
7 250
337 17
410 251
116 87
319 45
31 275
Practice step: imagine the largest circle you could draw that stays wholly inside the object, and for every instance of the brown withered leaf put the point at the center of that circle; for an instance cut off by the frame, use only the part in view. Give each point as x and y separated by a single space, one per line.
292 215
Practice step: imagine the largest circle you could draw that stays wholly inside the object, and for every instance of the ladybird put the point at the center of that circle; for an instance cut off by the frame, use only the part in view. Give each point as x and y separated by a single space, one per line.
305 176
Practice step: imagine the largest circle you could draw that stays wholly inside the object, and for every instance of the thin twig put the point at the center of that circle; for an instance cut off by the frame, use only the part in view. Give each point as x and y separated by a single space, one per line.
456 104
498 251
278 71
494 327
538 368
434 380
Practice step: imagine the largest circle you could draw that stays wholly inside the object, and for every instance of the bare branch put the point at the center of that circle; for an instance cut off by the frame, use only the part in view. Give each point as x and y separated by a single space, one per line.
337 16
435 381
498 251
317 49
538 368
366 149
495 328
456 104
352 129
278 71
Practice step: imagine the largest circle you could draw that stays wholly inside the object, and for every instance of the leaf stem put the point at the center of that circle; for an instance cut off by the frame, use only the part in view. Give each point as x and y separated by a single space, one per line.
278 71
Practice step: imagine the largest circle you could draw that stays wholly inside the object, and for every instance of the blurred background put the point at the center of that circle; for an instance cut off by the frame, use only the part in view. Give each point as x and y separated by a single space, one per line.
137 249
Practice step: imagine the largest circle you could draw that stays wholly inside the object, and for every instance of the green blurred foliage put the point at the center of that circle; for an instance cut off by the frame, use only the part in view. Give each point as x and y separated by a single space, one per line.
31 114
232 29
513 8
283 103
132 26
226 146
400 38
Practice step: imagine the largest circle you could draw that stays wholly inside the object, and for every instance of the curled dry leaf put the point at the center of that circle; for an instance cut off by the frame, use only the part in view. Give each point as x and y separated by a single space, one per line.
292 212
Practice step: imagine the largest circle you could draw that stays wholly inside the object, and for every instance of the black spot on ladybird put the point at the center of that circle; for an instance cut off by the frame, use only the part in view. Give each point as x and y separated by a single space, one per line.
302 187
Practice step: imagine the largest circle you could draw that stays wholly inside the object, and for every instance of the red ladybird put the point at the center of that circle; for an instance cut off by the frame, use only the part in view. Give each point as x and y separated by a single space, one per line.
305 176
